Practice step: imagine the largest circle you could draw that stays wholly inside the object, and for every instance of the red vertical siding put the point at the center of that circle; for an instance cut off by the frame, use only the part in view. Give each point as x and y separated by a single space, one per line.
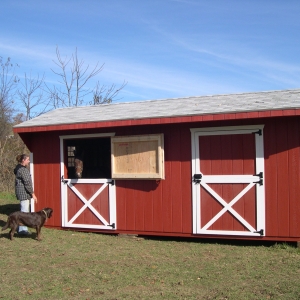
248 146
164 205
282 178
209 207
46 157
175 196
293 139
147 216
121 205
227 155
130 199
167 187
270 179
226 163
186 180
282 168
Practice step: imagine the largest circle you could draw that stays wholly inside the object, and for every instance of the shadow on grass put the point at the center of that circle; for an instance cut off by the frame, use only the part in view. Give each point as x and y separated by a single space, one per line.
7 209
231 242
5 234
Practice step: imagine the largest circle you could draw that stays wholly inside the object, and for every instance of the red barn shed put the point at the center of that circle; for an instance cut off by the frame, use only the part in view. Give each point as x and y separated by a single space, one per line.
223 166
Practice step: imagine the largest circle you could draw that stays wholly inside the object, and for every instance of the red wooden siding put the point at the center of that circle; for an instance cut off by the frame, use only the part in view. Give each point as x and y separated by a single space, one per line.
293 142
227 155
46 157
165 207
282 168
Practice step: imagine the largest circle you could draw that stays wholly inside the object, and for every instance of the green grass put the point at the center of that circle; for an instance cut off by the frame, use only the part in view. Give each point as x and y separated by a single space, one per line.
7 197
78 265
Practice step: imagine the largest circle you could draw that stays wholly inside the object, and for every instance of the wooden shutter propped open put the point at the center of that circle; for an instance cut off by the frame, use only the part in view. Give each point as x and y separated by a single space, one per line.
138 157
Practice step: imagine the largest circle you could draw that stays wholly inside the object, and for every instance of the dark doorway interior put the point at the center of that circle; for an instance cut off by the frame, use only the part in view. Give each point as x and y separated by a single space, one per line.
96 156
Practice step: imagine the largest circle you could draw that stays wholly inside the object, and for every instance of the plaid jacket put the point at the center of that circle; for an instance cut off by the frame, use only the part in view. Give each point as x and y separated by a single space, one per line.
23 183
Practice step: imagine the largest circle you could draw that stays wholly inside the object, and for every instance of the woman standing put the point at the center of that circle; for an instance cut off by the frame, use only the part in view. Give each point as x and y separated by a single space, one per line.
23 187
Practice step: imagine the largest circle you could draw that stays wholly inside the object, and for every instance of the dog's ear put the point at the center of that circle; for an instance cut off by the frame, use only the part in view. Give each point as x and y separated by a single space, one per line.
50 210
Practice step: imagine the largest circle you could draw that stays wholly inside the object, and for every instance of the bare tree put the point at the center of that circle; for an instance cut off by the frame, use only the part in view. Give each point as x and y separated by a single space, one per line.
105 94
73 90
10 144
8 85
31 96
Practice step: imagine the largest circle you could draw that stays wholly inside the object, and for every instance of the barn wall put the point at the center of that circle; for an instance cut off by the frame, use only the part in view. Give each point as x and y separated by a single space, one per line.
46 156
282 168
165 206
160 206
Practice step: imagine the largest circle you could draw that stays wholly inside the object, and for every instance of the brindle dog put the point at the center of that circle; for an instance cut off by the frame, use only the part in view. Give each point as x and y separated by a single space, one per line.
34 220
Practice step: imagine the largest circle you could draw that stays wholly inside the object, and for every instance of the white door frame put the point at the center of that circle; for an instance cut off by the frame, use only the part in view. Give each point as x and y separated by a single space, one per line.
32 203
69 184
253 180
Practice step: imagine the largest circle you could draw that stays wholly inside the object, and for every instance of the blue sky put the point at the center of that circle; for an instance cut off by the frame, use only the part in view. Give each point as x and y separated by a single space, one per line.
162 48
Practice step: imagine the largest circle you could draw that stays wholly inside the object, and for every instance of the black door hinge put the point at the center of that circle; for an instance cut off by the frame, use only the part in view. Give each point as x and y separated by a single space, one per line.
261 176
63 180
197 178
259 132
261 232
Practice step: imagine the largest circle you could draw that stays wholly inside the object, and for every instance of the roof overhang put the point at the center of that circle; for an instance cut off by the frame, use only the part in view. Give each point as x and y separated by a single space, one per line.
161 120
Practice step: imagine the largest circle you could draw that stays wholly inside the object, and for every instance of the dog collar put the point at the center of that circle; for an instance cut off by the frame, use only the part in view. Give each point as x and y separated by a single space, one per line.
45 214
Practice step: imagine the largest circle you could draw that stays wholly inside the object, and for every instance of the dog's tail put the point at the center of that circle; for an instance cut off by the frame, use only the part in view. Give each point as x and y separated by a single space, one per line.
6 225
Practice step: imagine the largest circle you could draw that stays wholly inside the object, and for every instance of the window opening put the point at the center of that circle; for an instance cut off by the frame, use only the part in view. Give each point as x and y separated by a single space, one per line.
95 154
71 156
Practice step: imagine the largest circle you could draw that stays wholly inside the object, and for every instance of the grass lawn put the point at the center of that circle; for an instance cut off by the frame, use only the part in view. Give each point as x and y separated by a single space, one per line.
77 265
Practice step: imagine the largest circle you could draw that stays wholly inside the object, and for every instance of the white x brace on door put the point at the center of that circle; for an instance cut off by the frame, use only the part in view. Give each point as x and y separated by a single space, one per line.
71 194
245 210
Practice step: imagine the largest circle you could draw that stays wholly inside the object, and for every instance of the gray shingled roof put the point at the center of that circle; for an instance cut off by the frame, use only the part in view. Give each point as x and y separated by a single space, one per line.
191 106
